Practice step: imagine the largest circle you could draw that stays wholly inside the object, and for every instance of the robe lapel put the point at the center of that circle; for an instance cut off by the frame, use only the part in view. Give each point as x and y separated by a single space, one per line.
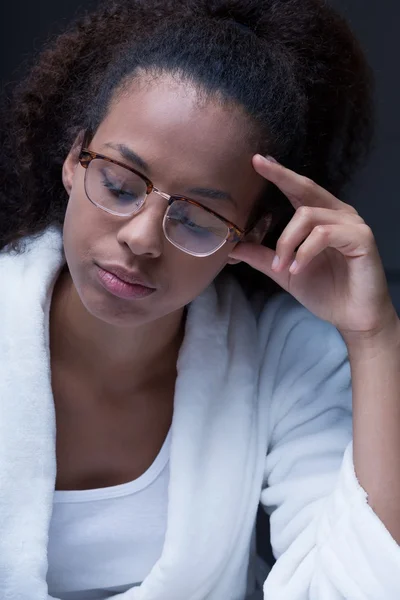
27 418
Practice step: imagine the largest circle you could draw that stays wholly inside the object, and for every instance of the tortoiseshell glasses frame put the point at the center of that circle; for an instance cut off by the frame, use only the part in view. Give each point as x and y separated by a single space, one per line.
233 233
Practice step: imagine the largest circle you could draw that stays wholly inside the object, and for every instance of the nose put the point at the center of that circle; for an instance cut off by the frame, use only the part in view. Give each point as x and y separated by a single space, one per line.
143 231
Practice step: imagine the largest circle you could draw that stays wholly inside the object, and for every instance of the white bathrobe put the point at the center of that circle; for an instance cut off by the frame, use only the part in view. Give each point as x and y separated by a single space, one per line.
262 413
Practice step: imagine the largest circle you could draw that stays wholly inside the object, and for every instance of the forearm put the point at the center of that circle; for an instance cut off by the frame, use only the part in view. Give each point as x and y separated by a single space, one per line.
375 367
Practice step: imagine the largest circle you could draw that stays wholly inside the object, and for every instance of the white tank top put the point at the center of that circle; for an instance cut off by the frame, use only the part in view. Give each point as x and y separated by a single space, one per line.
104 541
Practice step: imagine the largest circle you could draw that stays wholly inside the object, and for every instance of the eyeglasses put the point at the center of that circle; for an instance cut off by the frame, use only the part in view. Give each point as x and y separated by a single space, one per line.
122 191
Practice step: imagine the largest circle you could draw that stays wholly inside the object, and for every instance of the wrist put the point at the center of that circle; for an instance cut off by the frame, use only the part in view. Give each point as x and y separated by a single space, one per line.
369 344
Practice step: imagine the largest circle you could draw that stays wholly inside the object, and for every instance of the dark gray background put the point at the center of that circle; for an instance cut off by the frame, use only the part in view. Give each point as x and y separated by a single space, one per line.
376 190
24 24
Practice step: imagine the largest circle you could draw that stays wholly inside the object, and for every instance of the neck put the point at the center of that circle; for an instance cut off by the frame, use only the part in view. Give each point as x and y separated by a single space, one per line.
116 358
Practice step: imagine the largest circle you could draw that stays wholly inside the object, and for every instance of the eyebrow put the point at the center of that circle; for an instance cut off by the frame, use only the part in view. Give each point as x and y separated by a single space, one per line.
131 156
213 194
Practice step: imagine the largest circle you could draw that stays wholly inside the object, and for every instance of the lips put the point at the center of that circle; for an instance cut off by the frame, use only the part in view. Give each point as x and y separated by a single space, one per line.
126 275
115 285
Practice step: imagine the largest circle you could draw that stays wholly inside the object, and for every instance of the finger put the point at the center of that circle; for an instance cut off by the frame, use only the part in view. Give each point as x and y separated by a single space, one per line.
300 190
260 258
302 224
351 241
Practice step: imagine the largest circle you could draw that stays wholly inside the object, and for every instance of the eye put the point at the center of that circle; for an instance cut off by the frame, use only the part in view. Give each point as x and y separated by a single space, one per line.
114 188
192 219
192 226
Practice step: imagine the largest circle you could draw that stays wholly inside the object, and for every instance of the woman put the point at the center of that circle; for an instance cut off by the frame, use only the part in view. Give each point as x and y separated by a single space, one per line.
153 392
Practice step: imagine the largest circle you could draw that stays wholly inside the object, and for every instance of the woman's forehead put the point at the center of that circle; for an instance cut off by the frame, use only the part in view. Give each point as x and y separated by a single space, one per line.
177 114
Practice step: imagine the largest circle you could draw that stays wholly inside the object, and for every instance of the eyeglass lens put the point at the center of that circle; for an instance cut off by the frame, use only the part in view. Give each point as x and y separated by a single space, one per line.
187 226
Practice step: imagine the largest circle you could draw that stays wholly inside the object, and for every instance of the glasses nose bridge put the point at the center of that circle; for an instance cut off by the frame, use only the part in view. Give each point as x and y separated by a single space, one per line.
160 193
163 195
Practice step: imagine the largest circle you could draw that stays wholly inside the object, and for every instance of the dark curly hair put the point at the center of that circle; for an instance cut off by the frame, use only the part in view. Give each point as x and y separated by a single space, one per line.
293 65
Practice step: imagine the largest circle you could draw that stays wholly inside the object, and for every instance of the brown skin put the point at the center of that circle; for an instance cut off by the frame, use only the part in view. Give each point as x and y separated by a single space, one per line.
186 144
114 360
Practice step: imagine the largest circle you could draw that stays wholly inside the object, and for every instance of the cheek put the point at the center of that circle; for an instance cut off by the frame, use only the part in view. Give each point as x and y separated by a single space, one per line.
81 229
189 276
74 230
81 213
83 223
71 232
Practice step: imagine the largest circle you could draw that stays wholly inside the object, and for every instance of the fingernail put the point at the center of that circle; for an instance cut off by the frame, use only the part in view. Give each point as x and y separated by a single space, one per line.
293 266
275 262
271 159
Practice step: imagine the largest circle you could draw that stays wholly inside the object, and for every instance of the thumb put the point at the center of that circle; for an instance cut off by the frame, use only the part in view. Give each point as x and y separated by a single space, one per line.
260 258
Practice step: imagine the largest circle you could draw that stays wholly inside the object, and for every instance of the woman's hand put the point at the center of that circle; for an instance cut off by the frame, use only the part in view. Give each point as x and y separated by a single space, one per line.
336 271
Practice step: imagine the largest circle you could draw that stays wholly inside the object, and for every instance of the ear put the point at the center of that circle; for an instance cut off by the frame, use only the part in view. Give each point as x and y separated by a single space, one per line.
71 162
255 235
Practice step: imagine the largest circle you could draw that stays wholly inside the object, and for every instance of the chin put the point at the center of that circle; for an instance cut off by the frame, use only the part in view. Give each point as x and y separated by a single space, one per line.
115 311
